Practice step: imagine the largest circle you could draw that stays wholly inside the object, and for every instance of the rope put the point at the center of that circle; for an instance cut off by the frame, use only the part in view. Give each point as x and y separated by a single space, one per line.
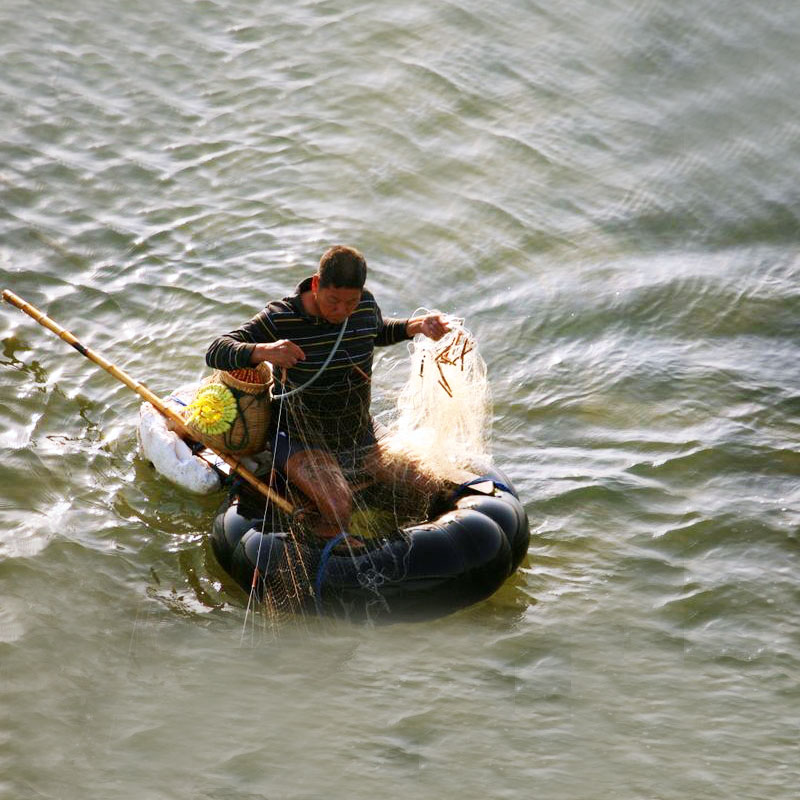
323 563
320 370
244 435
261 537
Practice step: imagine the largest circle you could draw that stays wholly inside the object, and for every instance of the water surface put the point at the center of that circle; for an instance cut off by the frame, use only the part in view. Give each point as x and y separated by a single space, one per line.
608 193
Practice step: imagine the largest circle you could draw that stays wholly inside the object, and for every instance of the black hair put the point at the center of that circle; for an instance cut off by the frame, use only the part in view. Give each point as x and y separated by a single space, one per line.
343 267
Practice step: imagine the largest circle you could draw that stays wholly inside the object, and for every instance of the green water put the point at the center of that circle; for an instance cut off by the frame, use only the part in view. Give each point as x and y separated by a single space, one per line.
608 192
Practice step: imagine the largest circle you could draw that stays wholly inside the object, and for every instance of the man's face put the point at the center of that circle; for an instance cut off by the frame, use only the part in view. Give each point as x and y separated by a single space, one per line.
335 303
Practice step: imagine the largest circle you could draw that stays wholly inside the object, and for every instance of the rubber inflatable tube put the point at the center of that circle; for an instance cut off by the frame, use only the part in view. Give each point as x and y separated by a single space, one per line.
461 557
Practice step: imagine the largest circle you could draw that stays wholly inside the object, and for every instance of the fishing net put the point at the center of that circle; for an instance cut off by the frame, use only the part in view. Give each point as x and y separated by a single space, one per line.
444 412
367 488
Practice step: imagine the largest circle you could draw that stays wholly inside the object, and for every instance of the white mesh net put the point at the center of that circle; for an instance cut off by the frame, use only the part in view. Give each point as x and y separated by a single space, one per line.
444 411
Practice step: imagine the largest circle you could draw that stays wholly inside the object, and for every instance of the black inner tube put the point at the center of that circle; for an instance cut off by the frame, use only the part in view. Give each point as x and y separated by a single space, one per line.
463 554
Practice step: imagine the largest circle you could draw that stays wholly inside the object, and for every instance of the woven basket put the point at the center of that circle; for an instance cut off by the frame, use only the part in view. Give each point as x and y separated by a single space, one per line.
248 432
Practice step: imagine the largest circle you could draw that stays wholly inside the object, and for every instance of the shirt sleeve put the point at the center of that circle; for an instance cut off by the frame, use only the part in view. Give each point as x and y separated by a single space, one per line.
234 350
390 330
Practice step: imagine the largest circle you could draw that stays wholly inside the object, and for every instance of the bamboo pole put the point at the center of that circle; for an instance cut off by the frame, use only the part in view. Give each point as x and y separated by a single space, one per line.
143 392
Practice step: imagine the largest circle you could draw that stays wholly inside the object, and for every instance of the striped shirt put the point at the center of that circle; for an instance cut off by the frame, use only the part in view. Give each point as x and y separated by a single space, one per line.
334 411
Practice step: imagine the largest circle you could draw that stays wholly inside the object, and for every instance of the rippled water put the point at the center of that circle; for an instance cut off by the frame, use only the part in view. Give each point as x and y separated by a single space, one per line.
608 192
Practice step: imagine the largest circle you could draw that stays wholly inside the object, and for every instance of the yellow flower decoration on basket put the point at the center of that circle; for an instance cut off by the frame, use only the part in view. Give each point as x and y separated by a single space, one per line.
213 409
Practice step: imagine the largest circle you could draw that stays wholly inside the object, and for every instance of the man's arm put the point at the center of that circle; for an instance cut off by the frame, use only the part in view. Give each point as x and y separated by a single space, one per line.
234 350
391 331
254 342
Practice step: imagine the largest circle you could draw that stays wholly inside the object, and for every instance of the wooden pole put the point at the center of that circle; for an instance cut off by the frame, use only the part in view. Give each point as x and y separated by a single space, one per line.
143 392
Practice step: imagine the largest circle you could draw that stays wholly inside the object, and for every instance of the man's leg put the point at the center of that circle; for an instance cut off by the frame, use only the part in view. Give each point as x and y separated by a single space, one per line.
319 477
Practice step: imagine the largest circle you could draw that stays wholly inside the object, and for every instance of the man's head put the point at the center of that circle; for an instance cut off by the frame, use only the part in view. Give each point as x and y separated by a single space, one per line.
343 267
338 283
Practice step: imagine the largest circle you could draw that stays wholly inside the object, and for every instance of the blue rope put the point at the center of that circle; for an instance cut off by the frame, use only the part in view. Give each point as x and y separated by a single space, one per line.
320 370
497 485
323 563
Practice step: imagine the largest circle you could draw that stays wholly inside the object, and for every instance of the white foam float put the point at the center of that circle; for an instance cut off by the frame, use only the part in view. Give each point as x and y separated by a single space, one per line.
172 457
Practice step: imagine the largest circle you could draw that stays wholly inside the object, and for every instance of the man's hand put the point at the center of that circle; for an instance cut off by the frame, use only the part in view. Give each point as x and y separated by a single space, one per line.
282 353
434 326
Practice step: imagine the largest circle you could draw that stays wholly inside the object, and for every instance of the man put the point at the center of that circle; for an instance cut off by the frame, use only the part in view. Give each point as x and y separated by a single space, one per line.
320 342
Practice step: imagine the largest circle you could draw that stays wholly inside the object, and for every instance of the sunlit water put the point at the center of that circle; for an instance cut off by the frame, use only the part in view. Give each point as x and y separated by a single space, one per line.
608 193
